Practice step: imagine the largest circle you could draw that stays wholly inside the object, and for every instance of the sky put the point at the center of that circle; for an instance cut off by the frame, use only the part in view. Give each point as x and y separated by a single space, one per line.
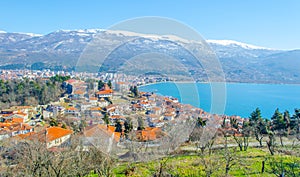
267 23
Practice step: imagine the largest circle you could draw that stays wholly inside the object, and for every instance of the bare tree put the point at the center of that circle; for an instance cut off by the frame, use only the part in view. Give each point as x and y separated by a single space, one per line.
271 143
33 158
229 155
242 139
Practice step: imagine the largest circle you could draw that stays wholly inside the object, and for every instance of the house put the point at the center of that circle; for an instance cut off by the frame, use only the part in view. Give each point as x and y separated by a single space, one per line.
51 136
136 107
7 112
111 109
98 116
10 129
153 119
114 118
70 81
13 118
102 102
145 104
105 92
23 111
156 123
96 109
152 97
101 136
93 100
53 111
149 134
170 110
156 110
47 114
3 134
55 136
78 94
94 112
169 116
21 129
84 106
72 111
22 115
72 85
122 86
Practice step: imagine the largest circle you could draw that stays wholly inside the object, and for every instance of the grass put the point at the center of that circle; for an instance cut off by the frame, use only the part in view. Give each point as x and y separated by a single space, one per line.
247 163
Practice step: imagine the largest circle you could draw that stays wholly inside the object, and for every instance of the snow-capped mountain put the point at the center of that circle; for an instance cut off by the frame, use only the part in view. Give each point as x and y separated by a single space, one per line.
75 40
64 48
57 39
231 49
231 43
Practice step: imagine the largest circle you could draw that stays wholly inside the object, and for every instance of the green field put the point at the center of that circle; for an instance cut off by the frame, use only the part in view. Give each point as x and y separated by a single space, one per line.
245 163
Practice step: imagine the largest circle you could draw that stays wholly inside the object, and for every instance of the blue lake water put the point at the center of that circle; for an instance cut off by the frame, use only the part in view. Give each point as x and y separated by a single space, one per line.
238 98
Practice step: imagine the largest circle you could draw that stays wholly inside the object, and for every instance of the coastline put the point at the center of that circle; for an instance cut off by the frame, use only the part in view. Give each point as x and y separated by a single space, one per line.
241 100
180 82
228 82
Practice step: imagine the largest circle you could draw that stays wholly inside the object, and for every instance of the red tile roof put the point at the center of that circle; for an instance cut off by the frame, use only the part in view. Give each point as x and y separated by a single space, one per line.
93 130
149 134
104 92
54 133
72 109
79 92
70 81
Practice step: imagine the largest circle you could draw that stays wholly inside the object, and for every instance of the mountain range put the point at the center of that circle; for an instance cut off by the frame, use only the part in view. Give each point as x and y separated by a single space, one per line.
64 49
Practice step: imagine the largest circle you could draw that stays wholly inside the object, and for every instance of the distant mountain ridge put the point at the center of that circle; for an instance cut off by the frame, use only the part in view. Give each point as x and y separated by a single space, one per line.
61 49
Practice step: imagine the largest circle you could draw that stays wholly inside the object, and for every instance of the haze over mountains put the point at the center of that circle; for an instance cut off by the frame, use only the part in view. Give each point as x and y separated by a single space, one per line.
61 50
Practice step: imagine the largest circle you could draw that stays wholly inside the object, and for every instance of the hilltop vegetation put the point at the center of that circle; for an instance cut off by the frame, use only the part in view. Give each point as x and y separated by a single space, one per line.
30 92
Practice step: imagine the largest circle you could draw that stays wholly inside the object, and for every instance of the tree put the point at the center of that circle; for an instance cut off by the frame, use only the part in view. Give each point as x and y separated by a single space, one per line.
128 126
230 156
200 122
271 141
203 135
295 122
100 84
29 92
287 120
60 79
106 119
140 123
278 125
257 125
197 134
82 125
109 84
64 126
242 141
118 126
32 158
134 90
53 122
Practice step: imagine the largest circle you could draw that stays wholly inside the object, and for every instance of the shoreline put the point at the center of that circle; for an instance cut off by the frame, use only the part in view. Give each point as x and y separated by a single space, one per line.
179 82
246 111
193 82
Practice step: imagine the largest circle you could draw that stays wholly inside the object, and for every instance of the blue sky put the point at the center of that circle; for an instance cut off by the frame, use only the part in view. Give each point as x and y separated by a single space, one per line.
269 23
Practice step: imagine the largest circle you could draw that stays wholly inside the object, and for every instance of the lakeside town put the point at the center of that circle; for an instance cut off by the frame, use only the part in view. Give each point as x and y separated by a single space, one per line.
101 124
110 104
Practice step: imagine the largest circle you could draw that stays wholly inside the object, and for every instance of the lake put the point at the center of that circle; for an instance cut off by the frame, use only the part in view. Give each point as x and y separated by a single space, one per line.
232 98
